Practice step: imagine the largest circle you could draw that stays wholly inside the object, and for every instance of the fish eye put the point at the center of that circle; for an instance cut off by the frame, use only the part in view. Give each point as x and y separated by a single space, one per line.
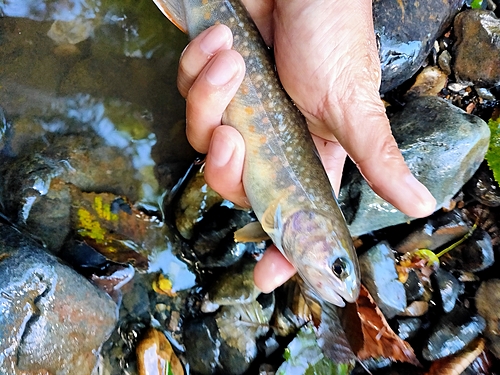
340 268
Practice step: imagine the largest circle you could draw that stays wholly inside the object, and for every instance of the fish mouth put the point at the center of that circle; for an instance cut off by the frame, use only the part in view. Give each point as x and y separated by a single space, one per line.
331 288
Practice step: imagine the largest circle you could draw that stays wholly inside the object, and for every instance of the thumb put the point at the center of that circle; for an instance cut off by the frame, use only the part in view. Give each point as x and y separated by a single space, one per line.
366 136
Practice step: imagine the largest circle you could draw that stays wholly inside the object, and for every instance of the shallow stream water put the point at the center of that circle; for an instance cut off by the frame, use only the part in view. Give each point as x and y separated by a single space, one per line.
106 64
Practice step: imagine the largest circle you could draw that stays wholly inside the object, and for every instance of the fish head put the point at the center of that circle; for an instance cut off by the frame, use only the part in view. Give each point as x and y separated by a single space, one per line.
321 250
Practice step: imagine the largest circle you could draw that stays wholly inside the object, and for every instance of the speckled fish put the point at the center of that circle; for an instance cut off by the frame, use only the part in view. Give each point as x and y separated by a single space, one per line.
283 176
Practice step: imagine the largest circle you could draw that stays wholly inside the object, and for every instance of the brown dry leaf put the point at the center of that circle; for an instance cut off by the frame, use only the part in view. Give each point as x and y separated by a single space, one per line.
115 228
379 339
456 364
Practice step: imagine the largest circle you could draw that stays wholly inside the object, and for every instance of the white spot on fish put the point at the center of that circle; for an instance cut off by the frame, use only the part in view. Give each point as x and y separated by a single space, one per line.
241 24
288 149
271 104
223 9
246 34
231 19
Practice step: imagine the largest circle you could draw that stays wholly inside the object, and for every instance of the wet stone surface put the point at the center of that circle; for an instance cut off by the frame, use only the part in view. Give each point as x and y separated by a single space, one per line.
406 32
52 318
477 51
378 274
443 147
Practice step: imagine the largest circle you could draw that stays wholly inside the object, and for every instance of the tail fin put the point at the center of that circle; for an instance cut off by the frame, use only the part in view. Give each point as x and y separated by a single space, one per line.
175 11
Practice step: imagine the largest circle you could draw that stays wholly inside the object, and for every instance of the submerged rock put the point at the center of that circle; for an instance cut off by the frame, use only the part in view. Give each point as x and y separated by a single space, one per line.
477 51
406 31
51 317
442 145
378 272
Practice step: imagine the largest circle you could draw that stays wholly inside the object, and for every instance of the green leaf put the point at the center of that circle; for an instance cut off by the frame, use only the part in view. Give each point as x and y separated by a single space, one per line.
493 154
304 357
476 4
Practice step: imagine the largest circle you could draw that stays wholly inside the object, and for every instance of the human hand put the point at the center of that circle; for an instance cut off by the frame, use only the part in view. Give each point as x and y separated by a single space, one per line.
328 63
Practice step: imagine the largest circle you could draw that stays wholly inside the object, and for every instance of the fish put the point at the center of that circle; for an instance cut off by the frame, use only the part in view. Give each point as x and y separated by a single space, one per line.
283 177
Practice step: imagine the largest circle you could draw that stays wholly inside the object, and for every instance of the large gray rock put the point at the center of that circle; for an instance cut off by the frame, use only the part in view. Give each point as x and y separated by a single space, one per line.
52 320
442 145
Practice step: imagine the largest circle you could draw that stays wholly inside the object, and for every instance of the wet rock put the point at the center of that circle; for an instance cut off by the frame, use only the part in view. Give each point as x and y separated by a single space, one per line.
477 50
413 286
475 254
235 286
155 355
378 272
35 185
52 318
416 308
488 306
430 81
452 333
213 236
407 31
483 187
407 328
444 61
442 145
202 343
449 288
227 343
436 232
196 199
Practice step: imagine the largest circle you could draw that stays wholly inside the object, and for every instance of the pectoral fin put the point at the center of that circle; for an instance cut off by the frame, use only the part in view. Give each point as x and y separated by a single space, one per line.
251 232
174 11
272 222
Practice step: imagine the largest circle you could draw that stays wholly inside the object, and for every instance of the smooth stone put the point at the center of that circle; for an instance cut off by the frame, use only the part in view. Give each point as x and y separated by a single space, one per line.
452 333
437 231
477 50
379 275
474 255
414 288
406 31
442 145
407 328
449 287
483 187
51 317
488 306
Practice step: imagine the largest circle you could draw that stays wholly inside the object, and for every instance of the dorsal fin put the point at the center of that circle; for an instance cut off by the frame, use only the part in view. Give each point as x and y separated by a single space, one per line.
175 11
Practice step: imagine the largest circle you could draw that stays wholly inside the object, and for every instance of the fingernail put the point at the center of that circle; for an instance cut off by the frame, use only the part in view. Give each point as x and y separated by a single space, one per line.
221 150
217 37
221 71
427 203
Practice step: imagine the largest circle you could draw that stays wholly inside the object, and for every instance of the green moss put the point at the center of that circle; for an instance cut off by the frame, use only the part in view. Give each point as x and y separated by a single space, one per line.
493 154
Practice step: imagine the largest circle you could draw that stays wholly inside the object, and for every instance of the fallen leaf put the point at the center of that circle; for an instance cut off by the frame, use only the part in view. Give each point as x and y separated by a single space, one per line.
379 339
115 228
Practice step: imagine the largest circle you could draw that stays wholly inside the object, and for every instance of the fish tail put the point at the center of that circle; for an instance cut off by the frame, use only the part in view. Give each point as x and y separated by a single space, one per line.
175 11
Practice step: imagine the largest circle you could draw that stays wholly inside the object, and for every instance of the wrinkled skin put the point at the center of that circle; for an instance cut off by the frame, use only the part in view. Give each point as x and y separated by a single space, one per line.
327 60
